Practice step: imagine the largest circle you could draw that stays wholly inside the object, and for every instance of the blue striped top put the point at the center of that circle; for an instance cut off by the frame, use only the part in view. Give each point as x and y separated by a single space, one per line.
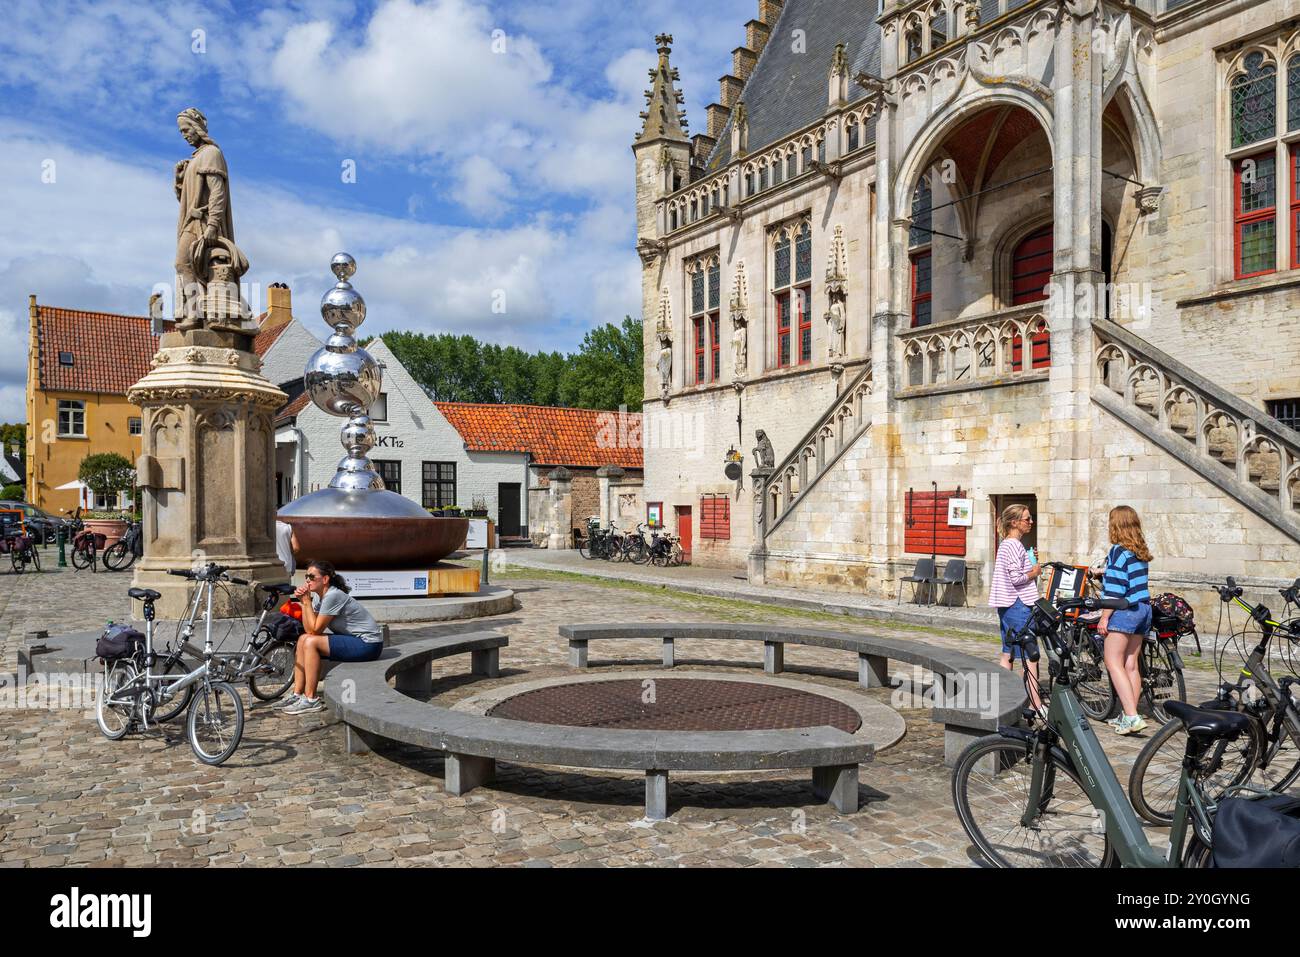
1126 575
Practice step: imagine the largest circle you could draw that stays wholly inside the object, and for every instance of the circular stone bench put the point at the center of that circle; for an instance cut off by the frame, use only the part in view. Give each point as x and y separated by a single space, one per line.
359 694
972 697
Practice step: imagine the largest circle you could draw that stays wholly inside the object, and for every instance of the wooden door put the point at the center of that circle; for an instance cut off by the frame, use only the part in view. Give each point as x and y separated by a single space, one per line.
684 530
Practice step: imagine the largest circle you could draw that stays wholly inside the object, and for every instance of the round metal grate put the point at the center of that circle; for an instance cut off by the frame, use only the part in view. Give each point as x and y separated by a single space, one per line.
678 704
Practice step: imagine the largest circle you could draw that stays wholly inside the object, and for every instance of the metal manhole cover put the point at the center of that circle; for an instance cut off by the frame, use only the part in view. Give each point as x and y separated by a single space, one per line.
678 704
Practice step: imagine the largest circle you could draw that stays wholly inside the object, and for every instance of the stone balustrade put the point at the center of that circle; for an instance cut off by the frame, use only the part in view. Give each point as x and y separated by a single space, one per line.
983 350
1237 445
834 433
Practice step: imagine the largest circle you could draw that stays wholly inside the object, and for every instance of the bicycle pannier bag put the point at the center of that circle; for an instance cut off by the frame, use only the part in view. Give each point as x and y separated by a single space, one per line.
285 627
1173 614
1262 833
117 641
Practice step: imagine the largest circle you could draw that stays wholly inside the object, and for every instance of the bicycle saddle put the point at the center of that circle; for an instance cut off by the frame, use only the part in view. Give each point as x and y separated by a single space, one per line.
144 594
284 589
1204 723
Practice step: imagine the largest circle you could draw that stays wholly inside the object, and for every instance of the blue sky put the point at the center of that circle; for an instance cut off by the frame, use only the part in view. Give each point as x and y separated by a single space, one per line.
490 139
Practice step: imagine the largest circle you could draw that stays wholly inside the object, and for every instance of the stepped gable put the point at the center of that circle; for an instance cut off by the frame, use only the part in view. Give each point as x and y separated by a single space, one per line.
787 90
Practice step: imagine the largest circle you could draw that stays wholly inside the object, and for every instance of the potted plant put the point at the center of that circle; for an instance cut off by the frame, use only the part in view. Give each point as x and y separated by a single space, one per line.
106 474
477 510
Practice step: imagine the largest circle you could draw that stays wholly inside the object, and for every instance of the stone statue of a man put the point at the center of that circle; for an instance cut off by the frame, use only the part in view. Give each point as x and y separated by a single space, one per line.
665 365
206 253
836 326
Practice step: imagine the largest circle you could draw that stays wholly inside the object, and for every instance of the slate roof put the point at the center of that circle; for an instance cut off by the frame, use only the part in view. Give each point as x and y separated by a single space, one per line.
788 90
110 352
586 438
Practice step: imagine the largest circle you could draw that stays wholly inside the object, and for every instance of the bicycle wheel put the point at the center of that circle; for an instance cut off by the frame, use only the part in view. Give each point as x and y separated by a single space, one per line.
1161 680
1153 782
114 716
166 710
584 547
279 659
1281 764
990 790
36 558
119 556
1091 681
83 558
678 556
16 560
634 550
216 722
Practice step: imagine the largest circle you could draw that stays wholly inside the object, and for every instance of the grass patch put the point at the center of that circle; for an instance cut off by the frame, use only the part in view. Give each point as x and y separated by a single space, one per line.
727 608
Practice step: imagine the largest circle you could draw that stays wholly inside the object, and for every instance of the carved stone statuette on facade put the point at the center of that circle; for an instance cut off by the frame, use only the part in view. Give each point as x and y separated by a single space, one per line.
837 293
764 454
738 308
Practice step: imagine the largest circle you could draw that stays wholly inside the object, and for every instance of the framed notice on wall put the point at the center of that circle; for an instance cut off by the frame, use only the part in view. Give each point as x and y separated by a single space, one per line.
654 514
961 512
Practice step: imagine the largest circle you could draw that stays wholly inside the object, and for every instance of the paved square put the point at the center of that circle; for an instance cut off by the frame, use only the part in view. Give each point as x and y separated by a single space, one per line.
291 794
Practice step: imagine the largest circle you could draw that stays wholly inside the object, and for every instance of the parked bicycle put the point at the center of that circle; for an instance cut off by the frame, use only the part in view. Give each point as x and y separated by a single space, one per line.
665 549
23 553
122 554
86 546
1268 755
599 542
1047 796
139 692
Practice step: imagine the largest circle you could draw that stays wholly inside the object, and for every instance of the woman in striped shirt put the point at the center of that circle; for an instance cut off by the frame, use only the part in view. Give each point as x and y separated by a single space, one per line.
1013 590
1127 570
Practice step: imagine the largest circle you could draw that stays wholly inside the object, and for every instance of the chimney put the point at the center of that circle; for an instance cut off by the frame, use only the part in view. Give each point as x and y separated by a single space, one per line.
279 306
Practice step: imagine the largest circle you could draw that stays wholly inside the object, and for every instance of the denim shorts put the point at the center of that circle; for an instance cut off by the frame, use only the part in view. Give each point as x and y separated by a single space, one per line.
352 648
1013 620
1132 621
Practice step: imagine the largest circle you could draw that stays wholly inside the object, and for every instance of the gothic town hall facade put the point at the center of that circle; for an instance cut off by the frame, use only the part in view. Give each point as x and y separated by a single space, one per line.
986 251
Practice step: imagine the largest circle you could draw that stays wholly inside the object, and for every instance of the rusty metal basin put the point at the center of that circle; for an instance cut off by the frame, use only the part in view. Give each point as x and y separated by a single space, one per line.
373 543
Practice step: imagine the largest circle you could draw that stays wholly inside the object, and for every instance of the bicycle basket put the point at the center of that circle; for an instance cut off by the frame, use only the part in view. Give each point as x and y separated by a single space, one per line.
118 641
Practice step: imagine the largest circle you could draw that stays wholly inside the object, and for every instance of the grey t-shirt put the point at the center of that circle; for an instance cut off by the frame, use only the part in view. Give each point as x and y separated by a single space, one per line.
350 616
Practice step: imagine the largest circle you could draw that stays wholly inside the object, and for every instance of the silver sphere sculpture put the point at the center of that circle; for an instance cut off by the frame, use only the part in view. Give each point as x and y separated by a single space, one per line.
344 380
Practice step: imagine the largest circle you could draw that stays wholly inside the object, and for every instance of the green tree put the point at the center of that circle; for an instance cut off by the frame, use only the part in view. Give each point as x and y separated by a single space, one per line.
106 474
11 493
607 372
11 432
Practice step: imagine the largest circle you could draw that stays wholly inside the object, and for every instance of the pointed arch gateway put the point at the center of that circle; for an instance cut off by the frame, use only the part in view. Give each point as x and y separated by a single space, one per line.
973 160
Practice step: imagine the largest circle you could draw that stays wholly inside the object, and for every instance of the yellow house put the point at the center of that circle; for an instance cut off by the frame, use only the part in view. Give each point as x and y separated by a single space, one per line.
79 366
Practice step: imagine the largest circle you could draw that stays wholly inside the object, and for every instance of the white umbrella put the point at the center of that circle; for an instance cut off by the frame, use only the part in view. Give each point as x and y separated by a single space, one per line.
82 487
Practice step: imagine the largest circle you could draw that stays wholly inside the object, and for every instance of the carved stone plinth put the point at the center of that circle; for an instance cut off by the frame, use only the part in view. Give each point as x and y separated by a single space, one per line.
206 473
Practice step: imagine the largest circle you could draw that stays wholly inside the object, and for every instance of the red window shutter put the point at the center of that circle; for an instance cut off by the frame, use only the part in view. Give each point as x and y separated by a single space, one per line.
929 530
715 518
1031 267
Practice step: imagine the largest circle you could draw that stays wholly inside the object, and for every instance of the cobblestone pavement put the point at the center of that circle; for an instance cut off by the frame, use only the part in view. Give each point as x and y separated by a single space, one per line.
291 795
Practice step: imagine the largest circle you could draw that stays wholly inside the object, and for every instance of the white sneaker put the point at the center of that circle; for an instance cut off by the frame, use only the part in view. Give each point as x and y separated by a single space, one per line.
305 705
289 701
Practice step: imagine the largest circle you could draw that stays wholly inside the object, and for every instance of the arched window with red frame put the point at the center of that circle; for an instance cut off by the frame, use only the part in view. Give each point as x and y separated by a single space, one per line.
1031 271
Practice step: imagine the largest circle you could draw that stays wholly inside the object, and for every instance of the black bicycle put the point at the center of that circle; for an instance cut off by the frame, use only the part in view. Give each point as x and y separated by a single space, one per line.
1269 755
23 553
86 546
122 554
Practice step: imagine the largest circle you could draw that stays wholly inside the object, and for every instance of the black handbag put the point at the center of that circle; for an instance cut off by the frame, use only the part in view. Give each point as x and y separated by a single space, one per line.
285 627
1262 833
118 641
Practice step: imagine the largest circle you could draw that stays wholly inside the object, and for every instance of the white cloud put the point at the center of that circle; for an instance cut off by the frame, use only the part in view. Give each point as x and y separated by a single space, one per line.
102 236
484 188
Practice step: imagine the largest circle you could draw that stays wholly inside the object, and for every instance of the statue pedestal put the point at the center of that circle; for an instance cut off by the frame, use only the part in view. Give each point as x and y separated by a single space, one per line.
206 474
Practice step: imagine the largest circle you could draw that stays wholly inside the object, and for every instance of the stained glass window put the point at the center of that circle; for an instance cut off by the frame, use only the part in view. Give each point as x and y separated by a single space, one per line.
749 183
778 171
803 255
697 291
922 202
1293 94
821 150
807 158
1255 215
715 280
853 135
804 305
1254 102
791 166
782 264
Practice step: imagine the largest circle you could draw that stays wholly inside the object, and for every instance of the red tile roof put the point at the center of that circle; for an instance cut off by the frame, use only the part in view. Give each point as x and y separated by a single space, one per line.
266 338
553 436
110 353
292 408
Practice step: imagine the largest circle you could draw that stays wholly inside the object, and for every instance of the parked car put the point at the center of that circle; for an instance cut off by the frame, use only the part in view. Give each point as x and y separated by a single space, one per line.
41 525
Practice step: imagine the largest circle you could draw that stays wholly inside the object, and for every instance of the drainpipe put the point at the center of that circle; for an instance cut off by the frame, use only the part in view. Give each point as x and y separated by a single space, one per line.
300 464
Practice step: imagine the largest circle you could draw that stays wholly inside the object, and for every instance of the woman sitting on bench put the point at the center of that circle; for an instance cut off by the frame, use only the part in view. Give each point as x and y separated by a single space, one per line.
354 634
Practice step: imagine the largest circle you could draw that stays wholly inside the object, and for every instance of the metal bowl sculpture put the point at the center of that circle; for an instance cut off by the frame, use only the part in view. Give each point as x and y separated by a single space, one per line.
356 523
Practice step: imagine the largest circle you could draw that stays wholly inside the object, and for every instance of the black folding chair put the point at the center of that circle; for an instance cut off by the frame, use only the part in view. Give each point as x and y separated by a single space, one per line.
923 574
954 573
